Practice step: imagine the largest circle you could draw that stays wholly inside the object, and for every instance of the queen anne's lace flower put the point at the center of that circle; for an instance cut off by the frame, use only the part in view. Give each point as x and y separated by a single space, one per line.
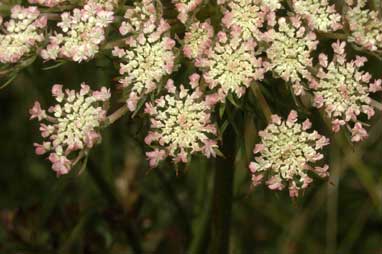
72 125
82 33
22 33
108 5
184 8
272 5
180 124
319 14
197 39
343 90
231 65
47 3
365 26
149 53
286 155
246 16
290 51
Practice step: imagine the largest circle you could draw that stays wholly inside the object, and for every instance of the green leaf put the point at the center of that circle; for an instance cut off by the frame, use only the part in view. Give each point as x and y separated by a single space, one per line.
9 81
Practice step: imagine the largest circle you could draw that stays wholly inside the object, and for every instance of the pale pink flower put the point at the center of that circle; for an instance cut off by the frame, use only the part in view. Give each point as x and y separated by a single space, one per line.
286 155
289 51
181 125
83 31
319 14
342 89
197 39
73 125
149 52
185 7
230 66
21 34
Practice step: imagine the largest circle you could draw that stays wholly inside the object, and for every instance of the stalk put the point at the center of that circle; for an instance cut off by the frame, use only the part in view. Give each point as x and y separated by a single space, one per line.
222 195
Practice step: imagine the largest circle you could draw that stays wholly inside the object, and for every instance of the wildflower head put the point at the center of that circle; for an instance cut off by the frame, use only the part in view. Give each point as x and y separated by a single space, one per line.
185 7
71 126
342 89
230 66
288 152
246 17
198 39
83 30
47 3
22 33
319 14
148 55
272 5
180 124
365 26
291 45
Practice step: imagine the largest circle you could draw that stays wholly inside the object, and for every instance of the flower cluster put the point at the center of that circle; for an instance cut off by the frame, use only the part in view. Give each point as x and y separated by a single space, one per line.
149 53
290 51
231 65
73 125
245 16
82 33
343 90
22 33
365 26
286 155
198 39
184 8
272 5
180 124
319 14
108 5
47 3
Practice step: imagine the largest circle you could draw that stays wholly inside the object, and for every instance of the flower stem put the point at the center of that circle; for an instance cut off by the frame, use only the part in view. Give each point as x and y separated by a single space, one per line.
117 114
222 195
262 101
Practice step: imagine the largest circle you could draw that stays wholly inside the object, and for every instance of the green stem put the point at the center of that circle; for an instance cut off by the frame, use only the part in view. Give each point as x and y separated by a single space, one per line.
201 225
262 101
223 195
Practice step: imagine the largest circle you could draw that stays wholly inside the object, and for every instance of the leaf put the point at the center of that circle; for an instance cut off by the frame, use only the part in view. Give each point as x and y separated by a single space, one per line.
219 153
83 165
9 81
54 66
232 100
221 110
224 127
139 106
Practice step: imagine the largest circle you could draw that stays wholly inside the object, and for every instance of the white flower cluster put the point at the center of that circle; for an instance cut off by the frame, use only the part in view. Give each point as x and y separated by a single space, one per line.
291 45
22 33
47 3
319 14
82 33
185 7
180 124
230 65
343 90
272 5
198 39
365 26
286 155
73 125
149 53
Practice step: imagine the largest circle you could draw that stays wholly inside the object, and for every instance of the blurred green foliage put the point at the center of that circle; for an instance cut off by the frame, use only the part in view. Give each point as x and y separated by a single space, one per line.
91 213
118 204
